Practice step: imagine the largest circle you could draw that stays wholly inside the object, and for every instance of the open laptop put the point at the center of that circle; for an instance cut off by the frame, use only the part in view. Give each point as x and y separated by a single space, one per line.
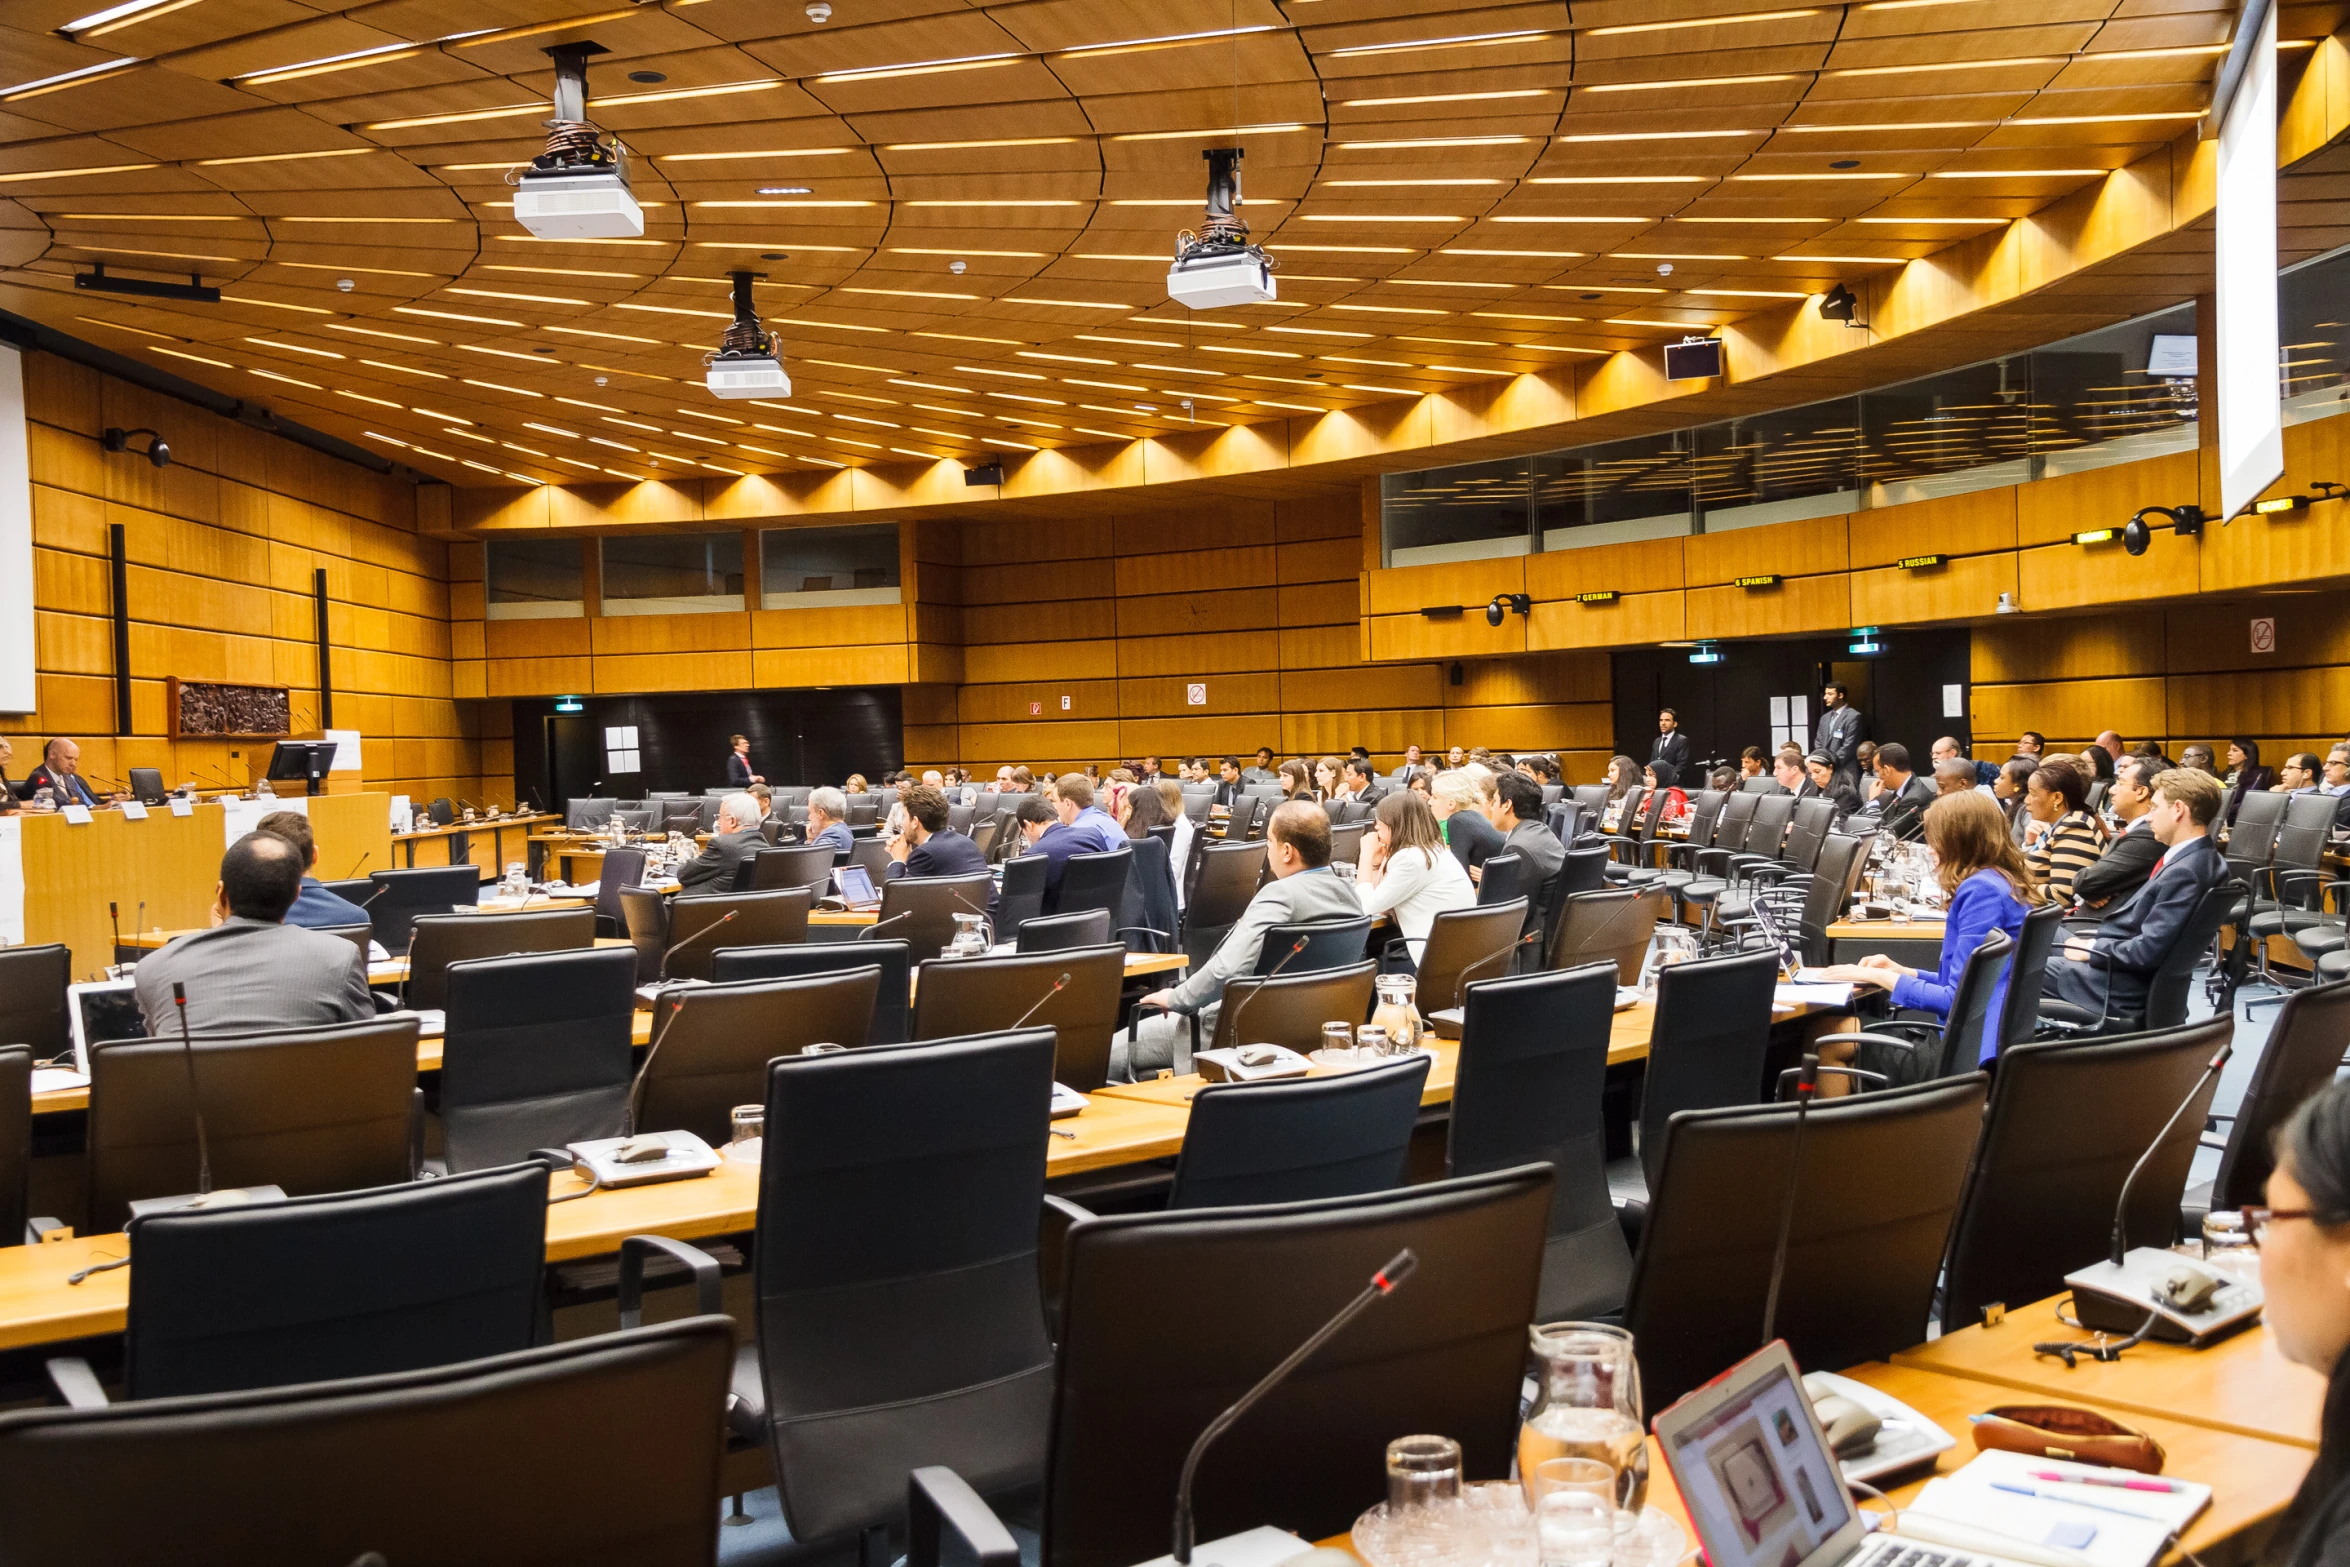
1760 1485
854 886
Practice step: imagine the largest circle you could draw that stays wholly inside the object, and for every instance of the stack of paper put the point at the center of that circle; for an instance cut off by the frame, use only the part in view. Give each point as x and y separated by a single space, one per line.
1999 1504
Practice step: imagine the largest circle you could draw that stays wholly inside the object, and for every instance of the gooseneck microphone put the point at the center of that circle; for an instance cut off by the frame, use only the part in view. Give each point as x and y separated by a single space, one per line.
2120 1245
1807 1083
115 920
1492 958
179 1003
353 872
636 1090
1058 986
704 934
878 926
1382 1283
1241 1010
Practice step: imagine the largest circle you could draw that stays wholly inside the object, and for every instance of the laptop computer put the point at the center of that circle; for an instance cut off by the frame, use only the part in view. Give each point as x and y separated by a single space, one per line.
1762 1488
854 885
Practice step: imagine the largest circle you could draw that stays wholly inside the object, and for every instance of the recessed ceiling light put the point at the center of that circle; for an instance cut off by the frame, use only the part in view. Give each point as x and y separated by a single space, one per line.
786 190
648 77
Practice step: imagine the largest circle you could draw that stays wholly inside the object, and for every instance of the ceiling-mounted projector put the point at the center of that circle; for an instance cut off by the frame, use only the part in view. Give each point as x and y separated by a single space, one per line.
1217 265
578 187
745 363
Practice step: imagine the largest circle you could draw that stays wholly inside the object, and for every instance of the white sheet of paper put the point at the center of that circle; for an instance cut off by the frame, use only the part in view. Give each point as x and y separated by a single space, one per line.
1818 995
79 815
1779 710
183 807
1954 701
49 1079
133 811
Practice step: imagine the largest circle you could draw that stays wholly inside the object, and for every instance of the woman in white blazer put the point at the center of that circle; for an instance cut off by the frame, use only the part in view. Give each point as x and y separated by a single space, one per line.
1405 869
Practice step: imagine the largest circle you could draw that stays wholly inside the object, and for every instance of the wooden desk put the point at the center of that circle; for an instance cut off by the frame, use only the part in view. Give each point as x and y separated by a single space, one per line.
1915 943
37 1306
494 829
2240 1384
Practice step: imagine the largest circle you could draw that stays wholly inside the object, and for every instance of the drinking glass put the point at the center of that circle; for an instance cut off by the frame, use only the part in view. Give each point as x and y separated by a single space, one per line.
1594 1476
1421 1470
1575 1529
749 1127
1588 1407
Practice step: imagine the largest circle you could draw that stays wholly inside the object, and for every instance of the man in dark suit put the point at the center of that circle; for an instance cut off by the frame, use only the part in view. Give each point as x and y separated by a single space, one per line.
738 764
2121 870
60 773
1839 734
316 908
1039 822
1229 784
1902 796
1515 809
2109 973
926 848
734 839
1670 744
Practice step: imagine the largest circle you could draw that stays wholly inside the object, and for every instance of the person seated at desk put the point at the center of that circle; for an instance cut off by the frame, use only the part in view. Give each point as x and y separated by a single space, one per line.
1358 780
1303 889
734 839
1458 802
926 848
2111 971
8 800
60 773
828 811
1513 804
1820 768
1039 824
2303 1237
1405 867
1072 798
1989 887
1902 796
1229 786
2130 854
1263 770
316 908
2070 838
251 971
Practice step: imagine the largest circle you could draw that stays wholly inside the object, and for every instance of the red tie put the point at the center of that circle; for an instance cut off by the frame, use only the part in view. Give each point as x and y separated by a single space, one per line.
2160 862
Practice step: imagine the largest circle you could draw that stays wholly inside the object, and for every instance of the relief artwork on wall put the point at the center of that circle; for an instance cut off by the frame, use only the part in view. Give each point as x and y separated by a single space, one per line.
212 710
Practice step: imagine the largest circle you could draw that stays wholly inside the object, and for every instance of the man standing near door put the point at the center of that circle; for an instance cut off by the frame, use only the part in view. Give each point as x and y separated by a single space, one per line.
1839 733
738 764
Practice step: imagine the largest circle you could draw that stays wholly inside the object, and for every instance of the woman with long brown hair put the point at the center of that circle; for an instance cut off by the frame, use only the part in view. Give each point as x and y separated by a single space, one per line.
1406 867
1990 888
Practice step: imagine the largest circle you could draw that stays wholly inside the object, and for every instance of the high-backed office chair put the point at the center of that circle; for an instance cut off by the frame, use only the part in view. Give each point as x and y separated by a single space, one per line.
347 1284
1898 1051
2303 1051
1466 945
2020 1016
1801 908
730 965
873 855
2290 896
1225 881
2253 836
1314 944
359 936
924 908
1167 1319
436 889
1766 835
863 1252
1095 881
307 1109
2174 978
1060 932
588 814
1346 842
16 1142
355 890
1711 1033
712 1043
1530 1083
33 984
1502 879
1291 1010
1878 1180
537 1053
644 917
806 865
621 868
242 1470
438 940
1020 894
761 919
983 837
960 996
686 816
1612 925
2040 1197
1300 1138
1705 816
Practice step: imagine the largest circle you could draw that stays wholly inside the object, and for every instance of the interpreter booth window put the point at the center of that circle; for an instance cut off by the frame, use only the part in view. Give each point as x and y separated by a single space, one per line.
2313 331
2120 394
535 579
1476 511
812 568
1779 467
1614 494
673 574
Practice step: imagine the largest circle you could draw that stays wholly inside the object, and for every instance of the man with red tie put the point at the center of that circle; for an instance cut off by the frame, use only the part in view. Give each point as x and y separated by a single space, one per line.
2107 974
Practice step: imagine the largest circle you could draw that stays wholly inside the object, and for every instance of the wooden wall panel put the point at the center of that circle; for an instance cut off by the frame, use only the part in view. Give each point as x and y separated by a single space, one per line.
1792 549
1971 524
2058 508
1797 604
1649 566
1636 617
2070 576
1964 589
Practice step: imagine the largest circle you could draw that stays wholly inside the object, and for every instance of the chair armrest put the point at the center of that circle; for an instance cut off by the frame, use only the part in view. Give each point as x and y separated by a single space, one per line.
1714 862
75 1382
2300 882
416 1113
1773 872
1873 1038
1787 1079
633 1252
937 1499
1157 936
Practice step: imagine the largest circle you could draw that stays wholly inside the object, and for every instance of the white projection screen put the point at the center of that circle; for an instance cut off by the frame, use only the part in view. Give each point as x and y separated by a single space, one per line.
2251 435
16 541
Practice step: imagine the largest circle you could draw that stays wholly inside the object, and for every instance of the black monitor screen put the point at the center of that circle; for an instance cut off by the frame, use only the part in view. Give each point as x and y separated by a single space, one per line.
302 759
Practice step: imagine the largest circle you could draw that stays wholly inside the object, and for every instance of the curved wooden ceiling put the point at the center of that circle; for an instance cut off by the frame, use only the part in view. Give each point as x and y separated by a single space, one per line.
1454 194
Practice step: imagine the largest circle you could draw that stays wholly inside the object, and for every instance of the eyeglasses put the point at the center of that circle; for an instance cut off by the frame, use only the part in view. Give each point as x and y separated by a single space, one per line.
2257 1220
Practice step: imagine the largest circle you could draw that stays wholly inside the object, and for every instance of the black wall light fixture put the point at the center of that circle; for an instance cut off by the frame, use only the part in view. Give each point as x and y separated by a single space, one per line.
157 450
1503 603
2138 533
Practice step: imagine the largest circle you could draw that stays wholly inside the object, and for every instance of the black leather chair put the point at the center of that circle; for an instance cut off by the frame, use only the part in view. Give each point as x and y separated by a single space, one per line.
2026 971
309 1110
924 908
685 816
761 919
438 940
16 1142
355 890
1614 925
900 1318
360 936
711 1044
1474 942
33 983
1531 1076
436 889
1502 878
537 1053
1878 1181
588 814
2304 1050
2174 979
2067 1121
455 1461
1167 1319
1094 881
1020 895
1707 1044
806 865
1314 945
962 996
1226 879
1296 1139
1898 1051
890 1006
1059 932
621 868
349 1284
644 917
1291 1009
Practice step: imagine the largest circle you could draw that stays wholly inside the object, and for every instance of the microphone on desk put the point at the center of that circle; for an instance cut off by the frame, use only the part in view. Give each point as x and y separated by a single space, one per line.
704 934
115 920
362 860
636 1089
1491 958
1058 986
179 1003
1382 1283
1807 1082
868 933
141 932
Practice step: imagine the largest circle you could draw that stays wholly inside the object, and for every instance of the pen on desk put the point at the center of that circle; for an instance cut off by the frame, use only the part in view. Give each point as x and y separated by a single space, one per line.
1057 1132
2072 1501
2116 1482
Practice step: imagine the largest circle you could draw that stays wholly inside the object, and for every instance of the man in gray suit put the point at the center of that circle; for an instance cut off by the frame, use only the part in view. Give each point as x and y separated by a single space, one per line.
734 839
1839 733
251 971
1303 889
1515 809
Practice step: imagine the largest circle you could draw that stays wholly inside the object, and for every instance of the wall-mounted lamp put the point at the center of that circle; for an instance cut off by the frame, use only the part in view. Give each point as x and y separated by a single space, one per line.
1503 603
2138 533
117 439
